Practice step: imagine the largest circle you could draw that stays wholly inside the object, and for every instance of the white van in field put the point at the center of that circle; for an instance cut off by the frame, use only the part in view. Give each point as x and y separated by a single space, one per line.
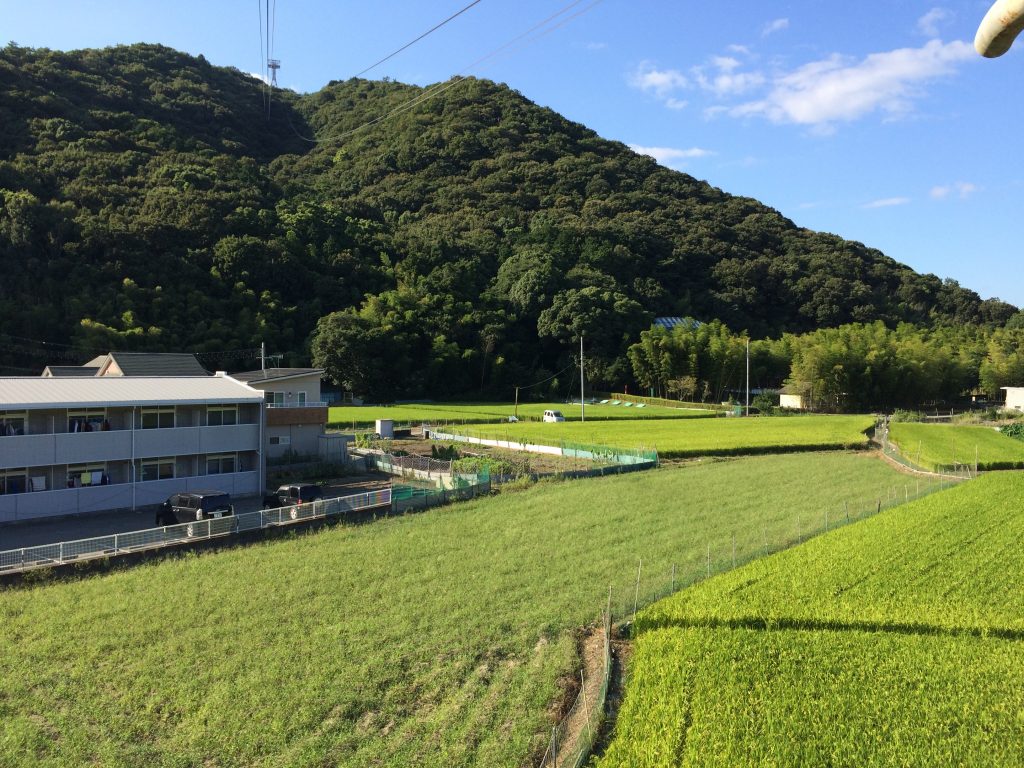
553 416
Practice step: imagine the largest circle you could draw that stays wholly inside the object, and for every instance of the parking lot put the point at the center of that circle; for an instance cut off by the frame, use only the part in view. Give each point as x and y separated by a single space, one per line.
32 533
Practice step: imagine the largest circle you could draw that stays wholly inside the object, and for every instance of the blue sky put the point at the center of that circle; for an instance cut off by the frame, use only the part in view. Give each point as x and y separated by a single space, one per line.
873 120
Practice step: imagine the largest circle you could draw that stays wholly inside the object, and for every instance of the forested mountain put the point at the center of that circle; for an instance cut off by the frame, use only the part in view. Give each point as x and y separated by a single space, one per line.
459 245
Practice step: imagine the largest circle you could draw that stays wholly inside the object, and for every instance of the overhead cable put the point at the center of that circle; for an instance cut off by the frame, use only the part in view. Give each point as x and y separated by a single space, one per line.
413 42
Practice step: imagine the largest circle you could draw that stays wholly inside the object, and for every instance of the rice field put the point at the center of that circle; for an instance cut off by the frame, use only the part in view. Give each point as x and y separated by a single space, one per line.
433 639
361 417
700 437
896 641
947 446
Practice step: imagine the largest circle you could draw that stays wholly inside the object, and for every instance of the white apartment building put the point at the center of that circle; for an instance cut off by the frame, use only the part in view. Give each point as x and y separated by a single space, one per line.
74 444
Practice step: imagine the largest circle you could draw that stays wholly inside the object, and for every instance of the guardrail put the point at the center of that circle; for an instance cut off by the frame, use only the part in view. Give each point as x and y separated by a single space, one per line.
61 553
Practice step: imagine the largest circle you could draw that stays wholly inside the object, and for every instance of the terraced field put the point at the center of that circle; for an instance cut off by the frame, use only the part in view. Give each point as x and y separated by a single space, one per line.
434 639
946 446
701 437
897 641
361 417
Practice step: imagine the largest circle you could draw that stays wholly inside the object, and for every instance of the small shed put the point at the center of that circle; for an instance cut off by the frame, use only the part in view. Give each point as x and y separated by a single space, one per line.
791 397
1014 398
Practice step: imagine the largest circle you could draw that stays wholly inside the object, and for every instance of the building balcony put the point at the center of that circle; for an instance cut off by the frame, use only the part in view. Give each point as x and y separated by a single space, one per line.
71 501
115 445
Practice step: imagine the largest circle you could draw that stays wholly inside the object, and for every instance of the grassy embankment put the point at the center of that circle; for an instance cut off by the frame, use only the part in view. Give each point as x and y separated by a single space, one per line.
435 639
700 437
898 641
946 446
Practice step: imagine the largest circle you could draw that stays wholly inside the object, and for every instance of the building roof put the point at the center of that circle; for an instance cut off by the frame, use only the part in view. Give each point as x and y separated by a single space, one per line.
70 370
271 374
672 322
154 364
36 393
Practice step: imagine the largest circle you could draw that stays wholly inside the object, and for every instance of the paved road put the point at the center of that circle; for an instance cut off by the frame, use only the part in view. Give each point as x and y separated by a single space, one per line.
33 533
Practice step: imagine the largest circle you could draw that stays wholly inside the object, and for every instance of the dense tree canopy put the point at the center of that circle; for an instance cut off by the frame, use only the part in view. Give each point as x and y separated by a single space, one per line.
463 245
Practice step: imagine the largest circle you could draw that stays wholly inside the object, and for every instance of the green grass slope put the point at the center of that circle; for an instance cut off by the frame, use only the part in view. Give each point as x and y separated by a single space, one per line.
435 639
897 641
944 446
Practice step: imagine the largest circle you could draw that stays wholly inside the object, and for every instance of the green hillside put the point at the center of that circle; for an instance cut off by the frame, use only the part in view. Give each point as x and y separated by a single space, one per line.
146 202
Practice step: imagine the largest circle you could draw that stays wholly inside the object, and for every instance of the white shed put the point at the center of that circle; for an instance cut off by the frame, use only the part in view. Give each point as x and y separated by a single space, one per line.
1014 398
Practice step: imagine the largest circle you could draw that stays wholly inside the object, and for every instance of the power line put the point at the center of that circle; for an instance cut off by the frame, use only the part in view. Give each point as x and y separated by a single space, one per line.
413 42
440 88
549 378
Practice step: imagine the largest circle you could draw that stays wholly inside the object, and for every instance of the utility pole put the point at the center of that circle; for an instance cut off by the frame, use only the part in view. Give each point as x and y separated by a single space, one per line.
583 413
515 410
263 356
747 413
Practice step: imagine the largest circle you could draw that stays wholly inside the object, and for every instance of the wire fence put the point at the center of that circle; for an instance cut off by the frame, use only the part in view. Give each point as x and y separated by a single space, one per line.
598 453
62 553
573 738
670 575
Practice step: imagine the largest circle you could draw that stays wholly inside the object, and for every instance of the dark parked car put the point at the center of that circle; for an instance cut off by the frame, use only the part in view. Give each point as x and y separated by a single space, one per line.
195 506
292 495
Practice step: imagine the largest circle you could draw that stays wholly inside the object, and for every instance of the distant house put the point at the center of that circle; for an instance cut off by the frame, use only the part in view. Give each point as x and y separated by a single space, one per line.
296 414
133 364
791 397
671 322
1014 398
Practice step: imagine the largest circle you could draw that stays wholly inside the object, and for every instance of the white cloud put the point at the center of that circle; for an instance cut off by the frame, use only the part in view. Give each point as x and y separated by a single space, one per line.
596 46
726 80
928 24
673 103
838 89
774 26
964 189
661 82
887 202
667 155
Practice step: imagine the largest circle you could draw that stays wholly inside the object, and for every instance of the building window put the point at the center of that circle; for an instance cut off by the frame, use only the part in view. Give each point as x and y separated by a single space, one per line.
281 440
13 481
221 416
301 398
88 420
158 418
13 423
156 469
221 464
274 398
87 475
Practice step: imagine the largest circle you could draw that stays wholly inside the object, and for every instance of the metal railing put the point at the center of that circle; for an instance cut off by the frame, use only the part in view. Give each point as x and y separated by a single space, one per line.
307 404
61 553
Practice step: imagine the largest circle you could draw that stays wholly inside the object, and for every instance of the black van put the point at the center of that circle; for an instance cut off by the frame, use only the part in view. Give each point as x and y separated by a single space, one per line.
195 505
293 495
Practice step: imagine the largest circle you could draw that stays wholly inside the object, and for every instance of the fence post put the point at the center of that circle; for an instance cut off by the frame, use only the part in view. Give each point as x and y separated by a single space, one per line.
673 577
61 552
586 708
636 597
116 547
847 505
